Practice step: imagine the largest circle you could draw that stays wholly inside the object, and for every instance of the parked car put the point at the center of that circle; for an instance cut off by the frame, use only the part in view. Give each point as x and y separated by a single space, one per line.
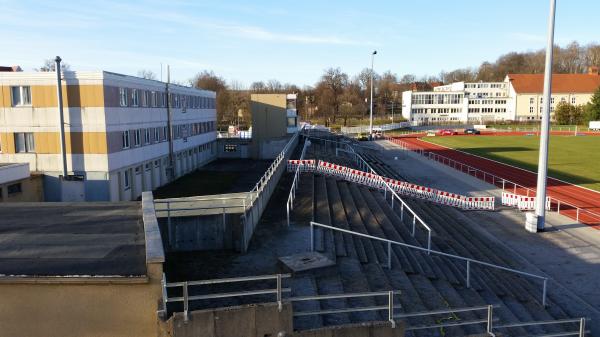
472 132
447 132
362 136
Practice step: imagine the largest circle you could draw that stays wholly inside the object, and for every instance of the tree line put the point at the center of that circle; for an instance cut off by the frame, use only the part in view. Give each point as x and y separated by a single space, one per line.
338 96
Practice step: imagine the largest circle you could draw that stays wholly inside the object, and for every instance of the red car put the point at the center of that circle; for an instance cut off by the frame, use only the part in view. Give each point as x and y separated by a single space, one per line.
447 132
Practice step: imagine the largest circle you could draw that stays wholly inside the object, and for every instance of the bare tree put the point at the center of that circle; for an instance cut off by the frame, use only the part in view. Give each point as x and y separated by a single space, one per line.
50 65
330 88
147 74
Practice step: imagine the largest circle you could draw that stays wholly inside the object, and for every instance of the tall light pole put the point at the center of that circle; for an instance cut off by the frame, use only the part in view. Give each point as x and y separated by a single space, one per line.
371 108
540 203
61 116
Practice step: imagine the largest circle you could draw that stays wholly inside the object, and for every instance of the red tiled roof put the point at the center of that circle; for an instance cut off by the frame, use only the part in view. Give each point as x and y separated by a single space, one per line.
561 83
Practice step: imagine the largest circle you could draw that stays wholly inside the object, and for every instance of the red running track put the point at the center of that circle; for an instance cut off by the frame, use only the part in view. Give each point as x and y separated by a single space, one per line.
570 196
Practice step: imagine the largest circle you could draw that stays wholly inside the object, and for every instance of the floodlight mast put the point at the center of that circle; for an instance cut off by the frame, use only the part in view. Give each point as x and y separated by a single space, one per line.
371 107
540 204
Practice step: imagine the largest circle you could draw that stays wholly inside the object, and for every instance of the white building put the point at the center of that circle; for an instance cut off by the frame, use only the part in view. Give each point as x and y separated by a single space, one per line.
117 135
517 98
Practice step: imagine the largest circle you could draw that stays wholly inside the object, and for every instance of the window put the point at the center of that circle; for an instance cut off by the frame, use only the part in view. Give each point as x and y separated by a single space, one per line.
14 189
126 179
530 109
21 95
146 98
148 166
573 100
552 100
24 142
531 100
156 163
164 133
137 137
152 101
146 136
135 97
156 135
230 147
123 96
126 139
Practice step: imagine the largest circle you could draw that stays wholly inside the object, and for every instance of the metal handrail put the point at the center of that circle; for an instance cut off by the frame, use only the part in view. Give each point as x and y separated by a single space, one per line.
489 320
458 257
390 306
580 332
292 196
186 298
364 165
429 154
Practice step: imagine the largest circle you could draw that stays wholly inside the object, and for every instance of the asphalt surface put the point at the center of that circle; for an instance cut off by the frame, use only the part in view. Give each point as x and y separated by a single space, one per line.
72 239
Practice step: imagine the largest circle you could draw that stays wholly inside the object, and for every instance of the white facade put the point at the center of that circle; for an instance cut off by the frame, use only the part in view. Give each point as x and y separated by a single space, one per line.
460 102
132 139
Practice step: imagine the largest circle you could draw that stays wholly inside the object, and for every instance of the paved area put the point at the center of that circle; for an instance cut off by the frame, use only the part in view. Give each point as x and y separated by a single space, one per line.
71 239
569 253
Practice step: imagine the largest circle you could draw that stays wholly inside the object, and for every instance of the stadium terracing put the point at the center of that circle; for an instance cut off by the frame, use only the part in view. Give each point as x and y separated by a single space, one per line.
336 240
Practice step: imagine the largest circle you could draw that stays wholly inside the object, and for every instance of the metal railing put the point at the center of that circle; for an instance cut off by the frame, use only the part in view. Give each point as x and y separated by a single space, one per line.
289 206
495 180
468 260
580 332
488 321
390 307
364 166
186 298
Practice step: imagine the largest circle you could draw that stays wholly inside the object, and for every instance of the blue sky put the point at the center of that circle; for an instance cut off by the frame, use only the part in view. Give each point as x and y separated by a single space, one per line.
292 41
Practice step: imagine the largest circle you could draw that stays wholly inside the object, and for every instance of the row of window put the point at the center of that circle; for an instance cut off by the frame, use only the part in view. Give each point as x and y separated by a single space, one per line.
485 85
158 99
562 99
159 134
436 110
437 99
157 163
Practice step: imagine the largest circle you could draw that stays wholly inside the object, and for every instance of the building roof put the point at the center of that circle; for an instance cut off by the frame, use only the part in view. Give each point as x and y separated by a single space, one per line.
561 83
72 239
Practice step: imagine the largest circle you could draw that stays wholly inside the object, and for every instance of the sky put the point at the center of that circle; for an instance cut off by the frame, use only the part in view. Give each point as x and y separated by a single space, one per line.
291 41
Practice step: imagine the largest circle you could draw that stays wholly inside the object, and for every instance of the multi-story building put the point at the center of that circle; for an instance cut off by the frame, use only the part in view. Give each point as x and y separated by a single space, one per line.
527 89
517 98
123 134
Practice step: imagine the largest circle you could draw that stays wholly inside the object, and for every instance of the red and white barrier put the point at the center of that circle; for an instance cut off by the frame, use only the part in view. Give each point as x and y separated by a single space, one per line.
301 165
400 187
522 202
485 203
510 199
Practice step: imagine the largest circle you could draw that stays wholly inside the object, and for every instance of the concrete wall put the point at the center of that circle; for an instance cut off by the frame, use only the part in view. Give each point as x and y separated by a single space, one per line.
31 190
370 329
263 320
245 321
206 232
79 307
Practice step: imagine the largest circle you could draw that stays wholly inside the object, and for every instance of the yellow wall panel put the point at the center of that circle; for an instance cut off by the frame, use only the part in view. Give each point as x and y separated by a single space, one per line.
44 96
7 142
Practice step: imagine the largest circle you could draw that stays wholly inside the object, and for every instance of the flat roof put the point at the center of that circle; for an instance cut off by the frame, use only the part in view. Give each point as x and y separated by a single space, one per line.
72 239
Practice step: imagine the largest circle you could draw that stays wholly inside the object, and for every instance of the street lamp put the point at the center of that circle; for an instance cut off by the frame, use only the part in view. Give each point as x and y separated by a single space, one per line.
538 223
371 108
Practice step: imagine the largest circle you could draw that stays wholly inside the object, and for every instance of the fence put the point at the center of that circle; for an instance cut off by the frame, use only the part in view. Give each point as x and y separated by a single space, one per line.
401 187
568 209
468 261
390 307
365 128
363 165
298 166
186 298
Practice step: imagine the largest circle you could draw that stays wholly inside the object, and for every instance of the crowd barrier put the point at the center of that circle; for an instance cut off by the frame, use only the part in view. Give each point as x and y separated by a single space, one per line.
400 187
522 202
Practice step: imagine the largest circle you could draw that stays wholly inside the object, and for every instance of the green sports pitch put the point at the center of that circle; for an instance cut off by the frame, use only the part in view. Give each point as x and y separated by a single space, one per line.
575 159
